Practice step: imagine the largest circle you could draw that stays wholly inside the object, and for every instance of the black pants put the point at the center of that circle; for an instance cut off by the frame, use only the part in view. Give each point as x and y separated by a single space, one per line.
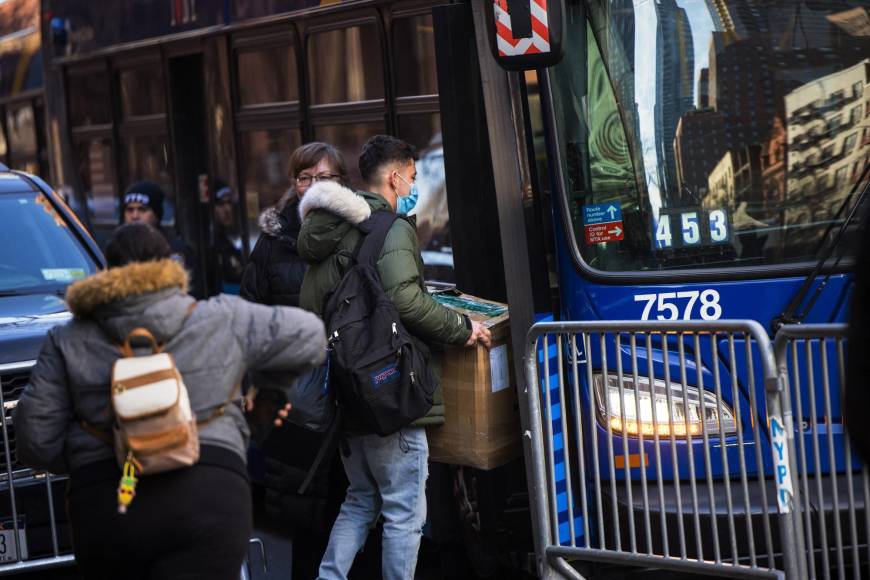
188 524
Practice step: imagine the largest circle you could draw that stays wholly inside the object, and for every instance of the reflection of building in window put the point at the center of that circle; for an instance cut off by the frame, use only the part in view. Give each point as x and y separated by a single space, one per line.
849 144
675 81
704 88
699 144
617 47
735 67
433 219
738 18
610 168
823 127
840 177
720 189
774 153
855 22
736 180
431 209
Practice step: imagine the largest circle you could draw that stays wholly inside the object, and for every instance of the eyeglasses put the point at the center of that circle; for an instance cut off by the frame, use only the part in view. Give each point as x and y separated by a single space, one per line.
305 180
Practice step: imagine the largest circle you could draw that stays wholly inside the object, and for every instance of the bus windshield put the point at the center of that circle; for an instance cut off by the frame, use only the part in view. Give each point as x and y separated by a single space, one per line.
710 133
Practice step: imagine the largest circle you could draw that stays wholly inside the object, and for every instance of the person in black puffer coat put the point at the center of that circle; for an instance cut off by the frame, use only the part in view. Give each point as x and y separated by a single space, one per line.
274 273
273 277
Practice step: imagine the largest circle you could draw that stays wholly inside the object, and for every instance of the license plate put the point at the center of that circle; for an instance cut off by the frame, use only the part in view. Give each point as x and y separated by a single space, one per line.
7 542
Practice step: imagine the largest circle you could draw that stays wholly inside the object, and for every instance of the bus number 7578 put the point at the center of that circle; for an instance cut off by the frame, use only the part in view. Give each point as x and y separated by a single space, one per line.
667 304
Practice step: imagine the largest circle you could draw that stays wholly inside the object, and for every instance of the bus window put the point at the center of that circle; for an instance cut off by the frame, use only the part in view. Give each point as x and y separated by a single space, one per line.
416 77
345 65
414 56
349 138
280 85
97 170
142 91
689 140
265 157
89 102
433 220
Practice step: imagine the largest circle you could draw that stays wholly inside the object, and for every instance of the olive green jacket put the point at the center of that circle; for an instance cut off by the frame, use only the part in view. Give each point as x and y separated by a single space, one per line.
326 242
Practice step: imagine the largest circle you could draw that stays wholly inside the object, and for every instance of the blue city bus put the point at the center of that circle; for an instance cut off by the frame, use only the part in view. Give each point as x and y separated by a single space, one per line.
652 160
705 161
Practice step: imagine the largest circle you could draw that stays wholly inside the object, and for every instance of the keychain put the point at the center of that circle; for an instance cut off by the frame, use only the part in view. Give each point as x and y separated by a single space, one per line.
127 486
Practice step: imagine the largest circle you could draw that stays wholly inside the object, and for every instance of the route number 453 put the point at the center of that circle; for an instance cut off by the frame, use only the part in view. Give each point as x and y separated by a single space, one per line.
667 304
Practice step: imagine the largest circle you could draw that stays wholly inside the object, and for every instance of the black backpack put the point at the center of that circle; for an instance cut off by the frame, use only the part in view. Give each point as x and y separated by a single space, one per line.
380 372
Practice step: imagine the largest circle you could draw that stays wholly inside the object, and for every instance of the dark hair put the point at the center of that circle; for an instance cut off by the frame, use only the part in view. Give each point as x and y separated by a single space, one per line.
381 150
136 242
310 154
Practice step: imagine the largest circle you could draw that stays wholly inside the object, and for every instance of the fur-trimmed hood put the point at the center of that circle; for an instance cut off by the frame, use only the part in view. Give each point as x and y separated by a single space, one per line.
281 220
270 222
336 199
329 211
150 294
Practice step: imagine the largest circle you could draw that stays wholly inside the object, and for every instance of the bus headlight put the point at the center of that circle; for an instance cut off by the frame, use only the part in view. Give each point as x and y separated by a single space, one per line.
684 414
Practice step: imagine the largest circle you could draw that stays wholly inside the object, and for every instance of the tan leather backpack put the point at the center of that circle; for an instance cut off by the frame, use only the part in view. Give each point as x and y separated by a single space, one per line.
155 429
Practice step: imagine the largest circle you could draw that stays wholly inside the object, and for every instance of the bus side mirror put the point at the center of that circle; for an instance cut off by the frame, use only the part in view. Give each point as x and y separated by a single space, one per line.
525 34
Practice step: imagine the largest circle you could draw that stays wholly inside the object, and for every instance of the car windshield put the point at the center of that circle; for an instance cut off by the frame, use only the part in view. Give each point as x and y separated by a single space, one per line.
39 252
710 133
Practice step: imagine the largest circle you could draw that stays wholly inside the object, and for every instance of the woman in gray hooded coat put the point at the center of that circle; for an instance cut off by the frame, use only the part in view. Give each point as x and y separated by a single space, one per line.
188 523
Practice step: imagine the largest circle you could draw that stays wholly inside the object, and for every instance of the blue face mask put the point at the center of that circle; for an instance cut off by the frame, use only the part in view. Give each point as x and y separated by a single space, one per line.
407 203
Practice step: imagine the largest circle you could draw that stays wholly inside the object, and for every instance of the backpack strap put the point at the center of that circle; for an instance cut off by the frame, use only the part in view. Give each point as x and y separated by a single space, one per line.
107 437
220 410
326 446
375 230
140 332
104 436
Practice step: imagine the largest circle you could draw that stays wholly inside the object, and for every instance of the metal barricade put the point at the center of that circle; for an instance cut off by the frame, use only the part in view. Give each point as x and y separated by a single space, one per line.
833 484
660 444
31 537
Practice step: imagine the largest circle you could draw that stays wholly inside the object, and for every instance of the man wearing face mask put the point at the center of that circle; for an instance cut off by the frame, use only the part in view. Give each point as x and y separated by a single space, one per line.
409 202
387 475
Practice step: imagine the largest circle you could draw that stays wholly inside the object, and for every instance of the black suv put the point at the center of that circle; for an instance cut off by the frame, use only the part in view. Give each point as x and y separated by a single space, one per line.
43 248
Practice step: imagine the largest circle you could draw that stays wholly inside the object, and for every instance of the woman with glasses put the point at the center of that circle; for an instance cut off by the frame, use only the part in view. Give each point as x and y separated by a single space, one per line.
274 273
273 276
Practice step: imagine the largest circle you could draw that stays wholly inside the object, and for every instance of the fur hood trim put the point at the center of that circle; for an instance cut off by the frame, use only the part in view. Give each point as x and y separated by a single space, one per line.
336 199
114 284
270 222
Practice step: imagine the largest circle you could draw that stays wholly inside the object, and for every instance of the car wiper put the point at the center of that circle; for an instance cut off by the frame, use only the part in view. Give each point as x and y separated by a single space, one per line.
7 293
791 315
61 292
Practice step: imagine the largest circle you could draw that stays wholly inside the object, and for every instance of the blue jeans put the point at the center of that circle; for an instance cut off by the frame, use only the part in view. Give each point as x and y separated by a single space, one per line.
387 477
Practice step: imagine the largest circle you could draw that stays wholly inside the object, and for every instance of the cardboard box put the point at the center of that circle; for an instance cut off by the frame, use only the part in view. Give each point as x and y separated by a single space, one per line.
482 419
